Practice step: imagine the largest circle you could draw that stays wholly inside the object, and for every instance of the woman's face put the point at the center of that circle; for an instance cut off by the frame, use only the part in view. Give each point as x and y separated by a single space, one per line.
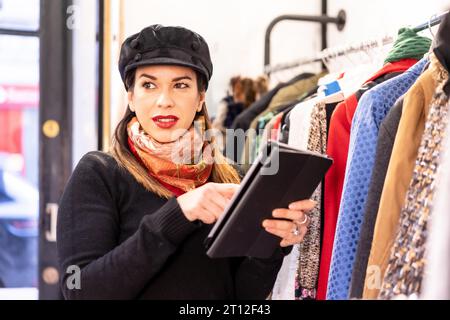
165 99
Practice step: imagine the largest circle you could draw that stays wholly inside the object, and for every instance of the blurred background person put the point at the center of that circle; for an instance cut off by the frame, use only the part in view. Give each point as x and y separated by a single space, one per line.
243 92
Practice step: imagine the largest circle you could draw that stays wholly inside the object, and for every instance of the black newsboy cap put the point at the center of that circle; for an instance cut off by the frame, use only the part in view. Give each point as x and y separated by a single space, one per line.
157 44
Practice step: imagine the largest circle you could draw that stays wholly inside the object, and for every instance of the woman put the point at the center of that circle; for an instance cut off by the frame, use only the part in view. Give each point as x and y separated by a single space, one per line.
222 108
243 96
134 220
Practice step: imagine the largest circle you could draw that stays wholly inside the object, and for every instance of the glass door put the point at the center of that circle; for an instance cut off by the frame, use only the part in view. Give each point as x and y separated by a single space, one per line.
19 153
35 142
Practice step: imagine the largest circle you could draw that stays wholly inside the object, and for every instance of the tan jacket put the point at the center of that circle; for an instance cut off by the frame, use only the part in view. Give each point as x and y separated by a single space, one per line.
398 177
289 94
283 96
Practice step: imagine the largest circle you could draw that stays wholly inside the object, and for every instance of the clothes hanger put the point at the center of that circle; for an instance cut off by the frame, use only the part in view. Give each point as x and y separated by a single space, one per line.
433 43
325 59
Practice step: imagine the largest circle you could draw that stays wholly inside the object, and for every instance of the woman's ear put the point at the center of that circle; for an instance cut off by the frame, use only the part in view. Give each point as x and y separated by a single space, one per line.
202 101
130 100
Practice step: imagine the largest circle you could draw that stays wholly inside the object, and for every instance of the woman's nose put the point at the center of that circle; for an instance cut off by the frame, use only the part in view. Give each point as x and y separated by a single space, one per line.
165 100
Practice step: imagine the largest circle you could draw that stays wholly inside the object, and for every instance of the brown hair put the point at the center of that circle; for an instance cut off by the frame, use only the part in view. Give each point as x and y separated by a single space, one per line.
261 85
248 88
222 171
233 81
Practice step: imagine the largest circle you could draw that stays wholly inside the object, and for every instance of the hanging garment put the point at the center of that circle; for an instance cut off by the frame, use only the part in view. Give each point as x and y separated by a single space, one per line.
308 270
337 149
408 45
300 118
262 122
244 120
281 110
406 264
358 74
399 173
270 131
285 123
291 93
268 128
286 282
286 95
288 277
235 146
271 126
442 47
436 281
310 246
300 124
330 107
246 117
275 132
437 275
386 136
372 109
284 132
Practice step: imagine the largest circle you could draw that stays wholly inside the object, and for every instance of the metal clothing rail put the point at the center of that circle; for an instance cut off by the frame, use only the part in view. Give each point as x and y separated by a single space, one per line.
435 20
328 54
331 53
14 32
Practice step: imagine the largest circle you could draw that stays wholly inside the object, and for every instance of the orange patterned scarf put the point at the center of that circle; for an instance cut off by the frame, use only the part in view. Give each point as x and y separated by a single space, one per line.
183 164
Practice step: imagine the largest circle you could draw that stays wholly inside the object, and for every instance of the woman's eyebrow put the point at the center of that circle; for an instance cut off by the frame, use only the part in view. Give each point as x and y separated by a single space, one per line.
148 76
181 78
173 80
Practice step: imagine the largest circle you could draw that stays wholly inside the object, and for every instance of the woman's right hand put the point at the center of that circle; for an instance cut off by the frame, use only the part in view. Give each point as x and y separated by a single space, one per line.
207 203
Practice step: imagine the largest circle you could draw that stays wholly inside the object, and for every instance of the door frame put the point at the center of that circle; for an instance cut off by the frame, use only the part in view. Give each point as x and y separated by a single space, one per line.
55 134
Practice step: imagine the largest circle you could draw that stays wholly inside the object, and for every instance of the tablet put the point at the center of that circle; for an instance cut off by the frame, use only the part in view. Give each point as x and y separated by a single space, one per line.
280 175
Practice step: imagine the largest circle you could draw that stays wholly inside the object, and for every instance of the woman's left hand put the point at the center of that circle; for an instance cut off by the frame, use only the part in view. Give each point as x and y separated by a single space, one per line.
293 229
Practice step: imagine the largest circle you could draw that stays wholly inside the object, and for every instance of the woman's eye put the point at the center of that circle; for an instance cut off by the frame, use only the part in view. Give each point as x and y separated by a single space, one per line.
148 85
181 85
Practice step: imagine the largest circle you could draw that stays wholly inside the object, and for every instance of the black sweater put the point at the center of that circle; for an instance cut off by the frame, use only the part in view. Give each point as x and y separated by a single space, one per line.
131 244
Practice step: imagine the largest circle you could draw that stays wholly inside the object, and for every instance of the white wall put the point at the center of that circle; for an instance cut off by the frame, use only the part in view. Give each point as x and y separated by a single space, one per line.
19 14
235 29
366 19
84 136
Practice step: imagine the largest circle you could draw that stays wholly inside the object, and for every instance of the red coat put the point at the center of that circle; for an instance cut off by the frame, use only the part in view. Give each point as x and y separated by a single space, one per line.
337 149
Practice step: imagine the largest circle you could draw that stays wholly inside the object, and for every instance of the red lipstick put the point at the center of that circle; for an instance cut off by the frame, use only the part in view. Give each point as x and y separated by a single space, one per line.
165 122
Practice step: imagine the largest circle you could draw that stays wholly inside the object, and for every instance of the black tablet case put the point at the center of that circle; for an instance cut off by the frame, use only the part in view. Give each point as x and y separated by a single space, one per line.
239 231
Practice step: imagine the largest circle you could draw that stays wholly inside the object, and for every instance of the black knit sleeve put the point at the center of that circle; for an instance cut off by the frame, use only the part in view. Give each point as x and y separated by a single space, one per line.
88 231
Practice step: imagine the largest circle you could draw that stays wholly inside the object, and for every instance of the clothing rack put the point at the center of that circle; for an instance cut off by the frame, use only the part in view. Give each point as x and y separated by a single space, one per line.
328 54
323 19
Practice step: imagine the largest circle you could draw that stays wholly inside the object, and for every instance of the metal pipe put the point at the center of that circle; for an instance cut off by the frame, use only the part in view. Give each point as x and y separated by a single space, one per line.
435 20
324 25
323 19
23 33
